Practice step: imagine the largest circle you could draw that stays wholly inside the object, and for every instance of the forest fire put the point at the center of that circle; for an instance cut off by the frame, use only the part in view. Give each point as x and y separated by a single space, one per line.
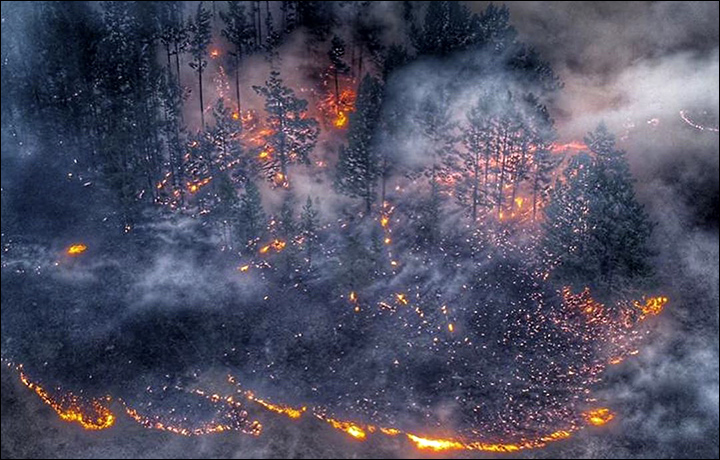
354 430
599 417
91 415
277 245
287 411
652 305
76 249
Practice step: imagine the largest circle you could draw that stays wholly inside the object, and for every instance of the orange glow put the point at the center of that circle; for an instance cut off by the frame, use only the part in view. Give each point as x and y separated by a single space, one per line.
76 249
277 245
264 155
91 415
235 115
384 221
341 120
277 408
388 241
599 417
356 431
353 296
435 444
244 268
214 53
451 328
652 306
519 202
402 298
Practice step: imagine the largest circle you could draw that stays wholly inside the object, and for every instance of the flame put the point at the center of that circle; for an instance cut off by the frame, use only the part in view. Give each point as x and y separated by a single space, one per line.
652 306
435 444
235 115
214 53
341 120
451 328
354 430
519 202
287 411
92 415
384 221
244 268
76 249
402 298
598 417
277 245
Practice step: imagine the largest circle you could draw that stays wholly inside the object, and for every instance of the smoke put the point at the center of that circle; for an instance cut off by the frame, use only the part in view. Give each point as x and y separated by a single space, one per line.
627 64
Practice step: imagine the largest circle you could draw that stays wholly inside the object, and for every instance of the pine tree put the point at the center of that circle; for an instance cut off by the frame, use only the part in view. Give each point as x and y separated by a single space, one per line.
475 159
596 233
199 40
358 166
339 67
251 218
294 133
238 32
621 227
309 227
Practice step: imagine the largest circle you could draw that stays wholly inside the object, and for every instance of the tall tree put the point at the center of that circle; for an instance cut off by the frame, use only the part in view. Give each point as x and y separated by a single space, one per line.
339 66
475 159
294 133
359 167
199 40
238 32
251 218
595 231
309 228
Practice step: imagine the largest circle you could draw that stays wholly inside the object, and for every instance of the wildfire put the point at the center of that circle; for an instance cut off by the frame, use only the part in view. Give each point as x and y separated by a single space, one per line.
599 417
652 306
277 245
435 444
356 431
92 415
277 408
76 249
341 120
194 187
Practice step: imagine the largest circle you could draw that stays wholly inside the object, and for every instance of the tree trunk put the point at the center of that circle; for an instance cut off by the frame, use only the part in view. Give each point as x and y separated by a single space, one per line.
202 105
475 187
237 82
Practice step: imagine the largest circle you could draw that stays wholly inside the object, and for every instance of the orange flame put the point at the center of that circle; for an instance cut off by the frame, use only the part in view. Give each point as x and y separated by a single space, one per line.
91 416
356 431
76 249
599 417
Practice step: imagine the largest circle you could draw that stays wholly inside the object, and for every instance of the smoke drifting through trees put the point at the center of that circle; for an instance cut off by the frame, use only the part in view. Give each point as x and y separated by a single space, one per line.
464 216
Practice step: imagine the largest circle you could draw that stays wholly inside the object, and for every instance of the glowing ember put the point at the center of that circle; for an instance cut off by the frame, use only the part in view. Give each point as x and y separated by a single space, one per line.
91 415
599 416
214 53
451 328
235 115
277 245
435 444
76 249
384 221
356 431
652 306
277 408
244 268
402 298
341 120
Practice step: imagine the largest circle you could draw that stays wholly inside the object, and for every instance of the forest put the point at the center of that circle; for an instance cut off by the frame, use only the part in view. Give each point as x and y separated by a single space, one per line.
361 213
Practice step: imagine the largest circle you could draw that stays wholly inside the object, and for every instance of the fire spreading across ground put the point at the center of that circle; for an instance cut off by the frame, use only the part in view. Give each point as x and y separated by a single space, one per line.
611 332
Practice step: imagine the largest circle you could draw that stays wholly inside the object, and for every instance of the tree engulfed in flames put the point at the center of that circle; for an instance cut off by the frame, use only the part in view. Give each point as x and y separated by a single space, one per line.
599 417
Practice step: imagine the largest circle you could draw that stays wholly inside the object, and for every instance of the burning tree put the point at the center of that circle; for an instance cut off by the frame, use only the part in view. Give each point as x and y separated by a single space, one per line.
293 135
358 166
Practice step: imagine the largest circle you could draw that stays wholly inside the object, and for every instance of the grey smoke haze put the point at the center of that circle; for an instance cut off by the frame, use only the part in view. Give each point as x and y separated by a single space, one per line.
634 65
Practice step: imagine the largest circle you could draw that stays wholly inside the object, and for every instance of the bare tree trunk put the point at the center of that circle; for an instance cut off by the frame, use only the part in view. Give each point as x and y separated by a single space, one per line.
202 104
